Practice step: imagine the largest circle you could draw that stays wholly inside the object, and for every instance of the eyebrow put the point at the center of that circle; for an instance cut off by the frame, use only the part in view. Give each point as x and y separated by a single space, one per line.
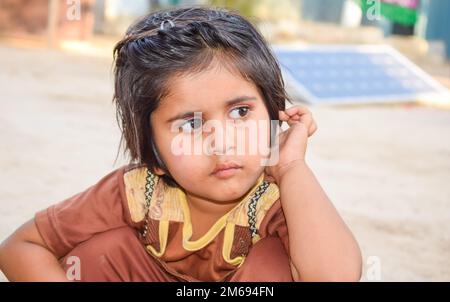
229 103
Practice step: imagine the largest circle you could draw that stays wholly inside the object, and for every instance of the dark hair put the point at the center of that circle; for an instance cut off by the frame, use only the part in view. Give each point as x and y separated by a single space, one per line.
155 49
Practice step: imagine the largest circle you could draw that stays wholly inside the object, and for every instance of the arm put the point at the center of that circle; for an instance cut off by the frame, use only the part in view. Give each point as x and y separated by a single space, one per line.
32 252
24 256
321 246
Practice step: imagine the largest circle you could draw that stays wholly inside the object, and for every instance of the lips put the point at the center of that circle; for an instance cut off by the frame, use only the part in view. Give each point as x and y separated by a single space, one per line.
226 170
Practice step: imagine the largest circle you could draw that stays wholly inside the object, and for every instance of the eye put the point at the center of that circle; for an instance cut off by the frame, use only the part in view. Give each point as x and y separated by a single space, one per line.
191 125
239 112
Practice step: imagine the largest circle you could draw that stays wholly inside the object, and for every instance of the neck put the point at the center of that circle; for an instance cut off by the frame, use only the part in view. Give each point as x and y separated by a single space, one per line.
209 207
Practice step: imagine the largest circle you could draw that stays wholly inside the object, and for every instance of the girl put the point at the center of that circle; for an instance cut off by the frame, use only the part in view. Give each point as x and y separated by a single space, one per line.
217 215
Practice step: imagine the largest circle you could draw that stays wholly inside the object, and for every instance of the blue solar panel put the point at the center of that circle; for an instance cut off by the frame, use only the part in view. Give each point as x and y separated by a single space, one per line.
353 74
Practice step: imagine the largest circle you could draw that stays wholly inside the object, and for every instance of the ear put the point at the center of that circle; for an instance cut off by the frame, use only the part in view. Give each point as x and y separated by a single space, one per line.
158 171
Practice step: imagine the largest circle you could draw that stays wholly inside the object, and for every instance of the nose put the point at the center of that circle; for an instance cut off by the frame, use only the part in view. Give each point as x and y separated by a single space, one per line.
223 141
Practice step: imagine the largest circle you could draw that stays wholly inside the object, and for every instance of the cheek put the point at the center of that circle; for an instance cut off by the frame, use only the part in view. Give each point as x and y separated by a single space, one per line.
185 166
257 136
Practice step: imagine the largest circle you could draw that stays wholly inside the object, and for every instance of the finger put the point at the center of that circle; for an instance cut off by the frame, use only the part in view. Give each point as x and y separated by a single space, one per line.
295 117
309 122
292 121
298 114
299 110
283 116
312 128
306 119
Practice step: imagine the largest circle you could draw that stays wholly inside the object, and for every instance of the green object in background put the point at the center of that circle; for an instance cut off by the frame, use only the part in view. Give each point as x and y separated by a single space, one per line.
393 12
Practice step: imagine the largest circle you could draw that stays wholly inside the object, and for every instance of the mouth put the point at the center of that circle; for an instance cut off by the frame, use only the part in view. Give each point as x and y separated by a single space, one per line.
226 170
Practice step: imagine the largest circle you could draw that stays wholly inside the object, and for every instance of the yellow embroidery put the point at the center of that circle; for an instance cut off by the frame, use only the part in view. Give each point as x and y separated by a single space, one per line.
215 229
134 188
170 204
240 215
206 238
171 208
270 196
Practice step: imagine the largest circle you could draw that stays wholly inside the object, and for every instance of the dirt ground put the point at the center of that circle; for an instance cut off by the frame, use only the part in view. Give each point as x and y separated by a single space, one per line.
386 168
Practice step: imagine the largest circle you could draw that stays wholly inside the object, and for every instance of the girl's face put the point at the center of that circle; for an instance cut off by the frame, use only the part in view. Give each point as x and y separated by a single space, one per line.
206 131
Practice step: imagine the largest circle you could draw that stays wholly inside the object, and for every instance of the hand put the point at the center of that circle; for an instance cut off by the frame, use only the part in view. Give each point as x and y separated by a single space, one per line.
293 141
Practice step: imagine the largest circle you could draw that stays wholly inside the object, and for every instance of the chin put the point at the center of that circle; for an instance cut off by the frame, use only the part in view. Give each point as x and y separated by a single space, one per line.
232 191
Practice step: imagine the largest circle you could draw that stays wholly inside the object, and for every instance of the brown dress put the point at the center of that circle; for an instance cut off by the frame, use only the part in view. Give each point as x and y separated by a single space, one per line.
131 226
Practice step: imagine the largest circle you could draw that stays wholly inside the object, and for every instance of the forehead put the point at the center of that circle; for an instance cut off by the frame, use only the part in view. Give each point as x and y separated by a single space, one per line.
206 89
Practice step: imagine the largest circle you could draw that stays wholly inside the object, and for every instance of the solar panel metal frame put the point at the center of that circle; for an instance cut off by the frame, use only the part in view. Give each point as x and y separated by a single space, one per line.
298 90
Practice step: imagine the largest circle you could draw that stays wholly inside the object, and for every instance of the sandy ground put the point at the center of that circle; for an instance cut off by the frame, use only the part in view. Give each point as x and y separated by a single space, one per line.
386 168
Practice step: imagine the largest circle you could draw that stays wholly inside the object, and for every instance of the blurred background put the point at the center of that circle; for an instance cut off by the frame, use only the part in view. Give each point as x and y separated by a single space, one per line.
384 164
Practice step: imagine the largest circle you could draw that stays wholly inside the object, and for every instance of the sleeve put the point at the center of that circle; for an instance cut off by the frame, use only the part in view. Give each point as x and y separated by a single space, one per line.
99 208
274 224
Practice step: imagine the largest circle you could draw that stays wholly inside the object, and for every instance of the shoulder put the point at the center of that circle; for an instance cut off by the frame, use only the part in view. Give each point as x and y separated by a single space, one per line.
135 177
253 210
263 212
